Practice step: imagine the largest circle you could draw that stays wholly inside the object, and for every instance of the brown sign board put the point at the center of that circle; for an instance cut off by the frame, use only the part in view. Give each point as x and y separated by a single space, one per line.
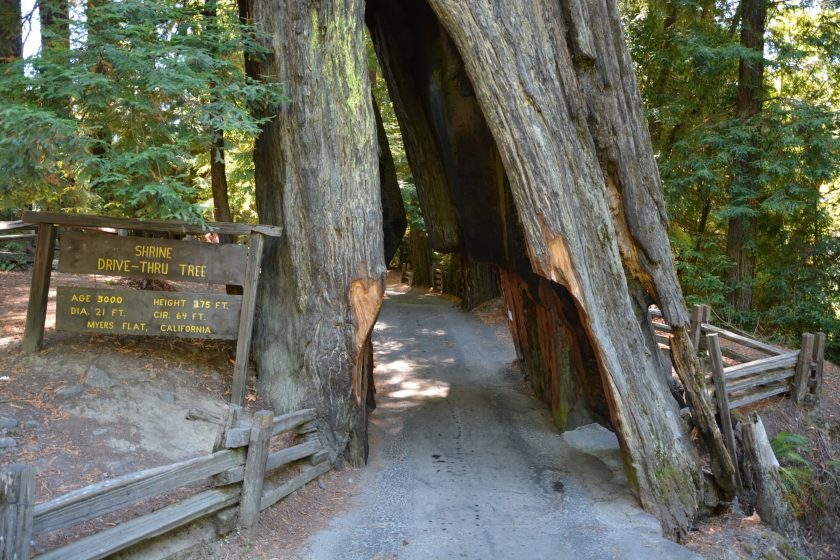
146 257
147 313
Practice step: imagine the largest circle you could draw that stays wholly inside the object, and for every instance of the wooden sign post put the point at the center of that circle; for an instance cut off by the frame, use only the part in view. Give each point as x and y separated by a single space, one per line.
142 312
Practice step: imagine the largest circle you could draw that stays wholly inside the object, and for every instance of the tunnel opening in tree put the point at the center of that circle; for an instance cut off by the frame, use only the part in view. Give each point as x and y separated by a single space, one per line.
524 130
468 208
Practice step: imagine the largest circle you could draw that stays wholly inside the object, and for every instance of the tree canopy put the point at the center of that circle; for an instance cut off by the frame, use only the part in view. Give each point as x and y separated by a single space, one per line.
119 116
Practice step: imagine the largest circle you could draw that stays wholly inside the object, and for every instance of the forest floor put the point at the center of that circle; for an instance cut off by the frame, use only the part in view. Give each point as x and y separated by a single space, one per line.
87 408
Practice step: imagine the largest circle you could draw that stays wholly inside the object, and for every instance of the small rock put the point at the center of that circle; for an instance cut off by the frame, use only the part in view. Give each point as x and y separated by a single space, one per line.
32 424
321 485
68 391
8 423
167 396
96 377
7 442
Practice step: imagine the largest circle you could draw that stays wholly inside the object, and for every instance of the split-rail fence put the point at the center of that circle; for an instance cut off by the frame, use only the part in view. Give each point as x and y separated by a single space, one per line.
234 478
750 379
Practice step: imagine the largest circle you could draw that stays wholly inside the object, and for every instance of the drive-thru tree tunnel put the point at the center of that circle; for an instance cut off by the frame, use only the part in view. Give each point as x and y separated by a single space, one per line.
524 131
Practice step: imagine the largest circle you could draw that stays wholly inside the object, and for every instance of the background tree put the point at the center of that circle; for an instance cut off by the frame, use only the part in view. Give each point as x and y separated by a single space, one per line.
744 185
122 124
11 40
741 233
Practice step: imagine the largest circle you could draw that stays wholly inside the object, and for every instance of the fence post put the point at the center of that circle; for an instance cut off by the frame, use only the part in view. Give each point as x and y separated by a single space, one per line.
696 322
705 317
17 500
819 361
254 476
803 368
36 313
246 321
722 400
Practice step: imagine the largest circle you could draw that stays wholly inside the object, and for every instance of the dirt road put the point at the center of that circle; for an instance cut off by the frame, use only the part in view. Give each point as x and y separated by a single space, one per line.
466 464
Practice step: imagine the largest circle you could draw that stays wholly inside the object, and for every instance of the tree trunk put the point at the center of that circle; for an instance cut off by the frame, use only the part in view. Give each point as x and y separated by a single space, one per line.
11 42
420 251
481 282
317 175
741 235
393 209
218 174
55 24
765 491
524 129
218 179
573 200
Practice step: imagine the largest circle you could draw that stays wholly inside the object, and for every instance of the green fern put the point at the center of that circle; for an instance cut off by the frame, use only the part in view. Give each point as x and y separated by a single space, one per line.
795 469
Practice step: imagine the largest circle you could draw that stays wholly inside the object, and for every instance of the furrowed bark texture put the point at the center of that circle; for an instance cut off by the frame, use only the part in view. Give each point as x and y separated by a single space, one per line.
557 89
524 130
318 177
472 281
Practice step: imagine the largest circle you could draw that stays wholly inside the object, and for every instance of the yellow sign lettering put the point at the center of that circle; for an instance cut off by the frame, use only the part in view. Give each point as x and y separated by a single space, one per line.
153 251
113 265
169 302
152 267
103 325
194 270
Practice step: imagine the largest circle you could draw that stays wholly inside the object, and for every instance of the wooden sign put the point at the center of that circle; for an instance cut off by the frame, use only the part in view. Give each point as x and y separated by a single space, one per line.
146 257
141 312
147 313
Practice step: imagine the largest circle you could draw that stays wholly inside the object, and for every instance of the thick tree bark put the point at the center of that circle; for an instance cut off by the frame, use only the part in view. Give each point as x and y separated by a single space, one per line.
570 196
525 132
318 177
406 84
472 281
764 488
11 43
741 235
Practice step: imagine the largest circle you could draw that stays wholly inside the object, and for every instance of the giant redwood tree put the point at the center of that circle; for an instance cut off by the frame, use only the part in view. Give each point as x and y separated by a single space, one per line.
523 127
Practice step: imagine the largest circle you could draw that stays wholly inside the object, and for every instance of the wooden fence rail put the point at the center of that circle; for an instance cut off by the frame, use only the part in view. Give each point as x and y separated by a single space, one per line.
27 238
796 372
780 371
237 469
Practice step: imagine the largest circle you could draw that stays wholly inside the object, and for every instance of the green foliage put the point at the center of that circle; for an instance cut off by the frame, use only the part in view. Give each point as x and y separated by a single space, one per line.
791 450
687 55
412 204
118 122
